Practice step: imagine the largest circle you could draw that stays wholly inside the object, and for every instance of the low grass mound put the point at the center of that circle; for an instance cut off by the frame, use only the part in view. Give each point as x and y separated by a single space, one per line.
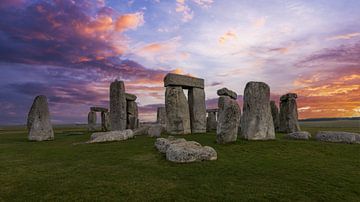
279 170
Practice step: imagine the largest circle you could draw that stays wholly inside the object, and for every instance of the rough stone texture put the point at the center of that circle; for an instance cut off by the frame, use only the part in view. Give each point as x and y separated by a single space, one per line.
212 110
183 81
182 151
177 111
161 115
92 121
288 114
132 114
339 137
111 136
141 130
155 130
275 115
117 106
239 128
227 92
130 97
228 120
211 123
99 109
300 135
38 121
105 121
197 109
256 121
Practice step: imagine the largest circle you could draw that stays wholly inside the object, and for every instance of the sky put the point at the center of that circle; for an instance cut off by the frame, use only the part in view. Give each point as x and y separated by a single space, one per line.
71 50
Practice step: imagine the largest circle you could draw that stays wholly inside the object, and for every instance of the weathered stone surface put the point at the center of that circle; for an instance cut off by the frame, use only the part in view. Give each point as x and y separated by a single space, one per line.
288 114
99 109
118 115
155 130
111 136
92 121
161 115
239 128
105 121
256 121
177 111
182 151
212 110
211 123
197 109
275 115
228 120
141 130
38 121
130 97
183 81
227 92
300 135
338 136
132 114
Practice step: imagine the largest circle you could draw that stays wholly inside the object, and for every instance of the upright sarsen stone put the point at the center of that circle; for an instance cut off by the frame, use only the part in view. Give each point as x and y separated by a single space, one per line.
105 121
161 115
275 115
256 121
132 114
117 106
228 120
92 121
38 122
211 123
197 108
288 114
177 111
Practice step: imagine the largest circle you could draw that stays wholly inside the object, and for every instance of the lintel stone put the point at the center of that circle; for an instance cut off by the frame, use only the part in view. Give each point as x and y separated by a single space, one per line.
183 81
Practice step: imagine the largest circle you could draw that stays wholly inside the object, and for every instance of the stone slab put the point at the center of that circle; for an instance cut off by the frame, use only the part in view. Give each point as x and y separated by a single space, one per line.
183 81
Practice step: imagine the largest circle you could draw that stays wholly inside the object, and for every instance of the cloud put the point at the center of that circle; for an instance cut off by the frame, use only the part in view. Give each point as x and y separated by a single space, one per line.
187 13
344 36
229 35
129 21
260 22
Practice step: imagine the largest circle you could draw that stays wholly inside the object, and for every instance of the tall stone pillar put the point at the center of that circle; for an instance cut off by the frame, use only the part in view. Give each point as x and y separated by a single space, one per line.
105 121
117 106
92 121
132 113
288 114
256 121
197 109
161 115
177 111
275 115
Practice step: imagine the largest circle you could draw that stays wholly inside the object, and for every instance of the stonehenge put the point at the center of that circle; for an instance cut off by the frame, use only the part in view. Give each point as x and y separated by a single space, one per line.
300 135
275 115
288 114
211 122
338 137
118 112
104 118
111 136
184 116
38 120
161 115
228 117
132 114
256 121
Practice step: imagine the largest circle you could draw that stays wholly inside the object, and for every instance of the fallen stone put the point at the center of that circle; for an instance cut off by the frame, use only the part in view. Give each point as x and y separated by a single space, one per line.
162 144
111 136
183 81
228 120
300 135
197 109
338 136
155 130
38 121
118 113
256 120
227 92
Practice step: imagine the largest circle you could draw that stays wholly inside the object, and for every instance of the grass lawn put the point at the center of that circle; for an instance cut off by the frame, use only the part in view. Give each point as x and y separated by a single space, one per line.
279 170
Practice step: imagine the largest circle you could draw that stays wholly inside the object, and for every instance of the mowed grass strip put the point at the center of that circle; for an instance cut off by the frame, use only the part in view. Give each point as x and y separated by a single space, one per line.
279 170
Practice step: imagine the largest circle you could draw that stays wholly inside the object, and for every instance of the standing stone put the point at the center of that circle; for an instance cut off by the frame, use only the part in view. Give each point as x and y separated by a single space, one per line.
275 115
132 114
105 121
38 122
117 106
228 120
197 109
177 111
256 121
161 115
211 123
227 92
288 114
92 121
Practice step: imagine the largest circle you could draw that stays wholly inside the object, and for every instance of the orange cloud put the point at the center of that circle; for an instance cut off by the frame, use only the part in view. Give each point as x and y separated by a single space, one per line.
129 21
344 36
227 36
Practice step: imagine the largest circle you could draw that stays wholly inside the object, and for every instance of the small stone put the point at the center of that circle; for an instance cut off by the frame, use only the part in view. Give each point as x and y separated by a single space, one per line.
338 136
300 135
227 92
111 136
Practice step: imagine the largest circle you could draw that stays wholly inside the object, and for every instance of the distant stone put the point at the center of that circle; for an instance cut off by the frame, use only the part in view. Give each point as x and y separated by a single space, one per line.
197 109
99 109
105 121
227 92
92 121
211 123
288 114
130 97
156 130
182 151
118 113
228 120
177 111
256 121
111 136
212 110
132 115
161 115
142 130
38 122
300 135
338 136
275 115
183 81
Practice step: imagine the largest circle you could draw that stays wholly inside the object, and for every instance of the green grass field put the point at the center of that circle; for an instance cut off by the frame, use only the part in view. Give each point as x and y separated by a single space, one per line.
279 170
